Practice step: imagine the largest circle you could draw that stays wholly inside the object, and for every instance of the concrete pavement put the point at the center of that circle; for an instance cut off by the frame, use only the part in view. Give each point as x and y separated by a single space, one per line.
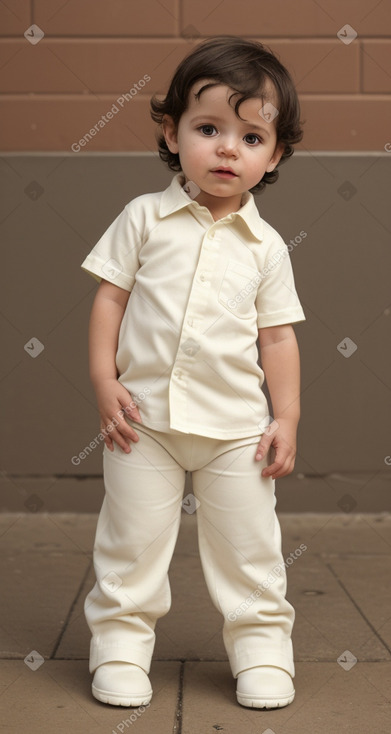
339 587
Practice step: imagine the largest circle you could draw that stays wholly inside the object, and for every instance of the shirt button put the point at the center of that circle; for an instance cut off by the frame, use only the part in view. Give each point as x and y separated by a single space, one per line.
177 373
211 235
190 322
202 278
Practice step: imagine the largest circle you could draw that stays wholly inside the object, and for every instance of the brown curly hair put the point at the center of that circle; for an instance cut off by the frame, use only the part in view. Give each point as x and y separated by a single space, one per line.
244 66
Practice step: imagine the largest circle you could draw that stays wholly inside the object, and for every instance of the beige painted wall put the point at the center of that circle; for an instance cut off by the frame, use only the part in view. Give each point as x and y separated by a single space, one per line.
57 81
53 210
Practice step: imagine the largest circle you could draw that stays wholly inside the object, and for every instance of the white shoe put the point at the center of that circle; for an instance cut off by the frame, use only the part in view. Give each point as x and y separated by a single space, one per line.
264 687
121 684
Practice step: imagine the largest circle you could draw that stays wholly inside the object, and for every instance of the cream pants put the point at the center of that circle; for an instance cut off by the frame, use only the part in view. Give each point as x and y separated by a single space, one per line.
239 543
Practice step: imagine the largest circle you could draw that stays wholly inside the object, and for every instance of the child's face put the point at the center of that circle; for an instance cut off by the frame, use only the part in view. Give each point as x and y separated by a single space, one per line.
210 136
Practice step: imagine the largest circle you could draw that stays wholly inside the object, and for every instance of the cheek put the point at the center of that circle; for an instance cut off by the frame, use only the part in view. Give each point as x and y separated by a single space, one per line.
195 148
186 141
259 161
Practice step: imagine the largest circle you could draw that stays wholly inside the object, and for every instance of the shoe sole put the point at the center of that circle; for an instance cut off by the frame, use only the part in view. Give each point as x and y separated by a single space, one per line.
264 703
121 699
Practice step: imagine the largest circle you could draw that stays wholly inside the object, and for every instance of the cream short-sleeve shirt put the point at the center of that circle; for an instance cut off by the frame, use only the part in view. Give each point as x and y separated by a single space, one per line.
199 292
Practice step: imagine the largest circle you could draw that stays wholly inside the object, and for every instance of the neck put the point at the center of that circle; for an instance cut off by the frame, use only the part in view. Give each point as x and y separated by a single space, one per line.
220 208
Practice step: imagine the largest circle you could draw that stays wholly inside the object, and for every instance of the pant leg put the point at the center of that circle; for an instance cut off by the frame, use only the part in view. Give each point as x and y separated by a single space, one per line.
135 538
240 549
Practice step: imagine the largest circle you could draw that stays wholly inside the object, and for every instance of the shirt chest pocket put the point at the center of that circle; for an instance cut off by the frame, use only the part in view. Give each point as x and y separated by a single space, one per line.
238 289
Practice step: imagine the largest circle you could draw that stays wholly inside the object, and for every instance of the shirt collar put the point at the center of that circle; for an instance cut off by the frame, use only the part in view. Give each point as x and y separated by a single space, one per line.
175 198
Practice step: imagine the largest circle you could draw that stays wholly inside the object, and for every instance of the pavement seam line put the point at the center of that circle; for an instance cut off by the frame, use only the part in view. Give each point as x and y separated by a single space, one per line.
70 612
177 728
366 620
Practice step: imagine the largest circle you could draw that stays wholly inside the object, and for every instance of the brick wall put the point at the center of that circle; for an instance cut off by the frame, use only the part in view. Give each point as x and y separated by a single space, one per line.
56 88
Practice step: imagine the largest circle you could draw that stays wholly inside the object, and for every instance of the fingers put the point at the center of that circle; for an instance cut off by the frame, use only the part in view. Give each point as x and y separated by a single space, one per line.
120 433
282 464
278 469
117 408
267 439
133 412
284 460
109 443
263 447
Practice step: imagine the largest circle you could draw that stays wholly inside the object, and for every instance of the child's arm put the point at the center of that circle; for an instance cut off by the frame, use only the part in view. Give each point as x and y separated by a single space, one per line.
281 365
106 316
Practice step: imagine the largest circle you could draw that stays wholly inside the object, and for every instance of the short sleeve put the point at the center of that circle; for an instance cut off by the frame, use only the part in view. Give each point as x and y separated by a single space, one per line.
277 301
115 256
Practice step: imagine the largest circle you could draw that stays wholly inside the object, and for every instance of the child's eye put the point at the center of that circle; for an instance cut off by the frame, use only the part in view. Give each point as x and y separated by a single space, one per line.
207 129
252 139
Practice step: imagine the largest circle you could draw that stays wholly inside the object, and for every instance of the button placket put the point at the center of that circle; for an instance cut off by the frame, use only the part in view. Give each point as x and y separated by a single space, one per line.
192 327
209 250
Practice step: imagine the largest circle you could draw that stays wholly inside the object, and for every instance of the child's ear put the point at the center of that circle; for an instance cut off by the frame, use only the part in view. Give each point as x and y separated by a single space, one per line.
170 133
276 157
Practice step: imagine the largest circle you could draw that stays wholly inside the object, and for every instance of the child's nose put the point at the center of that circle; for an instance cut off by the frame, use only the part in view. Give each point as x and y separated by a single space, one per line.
228 144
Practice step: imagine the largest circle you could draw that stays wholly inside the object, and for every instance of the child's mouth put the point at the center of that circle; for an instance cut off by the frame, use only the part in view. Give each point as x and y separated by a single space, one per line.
224 174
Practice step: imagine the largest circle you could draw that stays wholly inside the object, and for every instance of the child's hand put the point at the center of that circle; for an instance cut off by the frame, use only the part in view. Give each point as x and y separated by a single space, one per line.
113 401
281 435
